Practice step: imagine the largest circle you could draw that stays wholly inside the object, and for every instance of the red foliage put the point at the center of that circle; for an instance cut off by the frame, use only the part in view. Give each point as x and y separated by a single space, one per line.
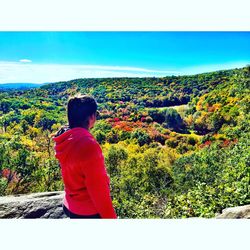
206 144
123 125
210 108
139 124
9 174
226 143
109 120
6 173
116 119
235 141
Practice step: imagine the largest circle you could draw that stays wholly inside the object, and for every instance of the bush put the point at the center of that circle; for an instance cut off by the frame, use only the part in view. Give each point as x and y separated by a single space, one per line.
141 136
173 119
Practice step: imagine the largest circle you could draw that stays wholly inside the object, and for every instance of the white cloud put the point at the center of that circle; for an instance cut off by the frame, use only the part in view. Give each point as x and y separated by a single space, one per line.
16 72
13 72
25 61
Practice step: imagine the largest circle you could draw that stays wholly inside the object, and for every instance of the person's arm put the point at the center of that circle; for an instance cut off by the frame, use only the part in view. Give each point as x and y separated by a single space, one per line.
97 184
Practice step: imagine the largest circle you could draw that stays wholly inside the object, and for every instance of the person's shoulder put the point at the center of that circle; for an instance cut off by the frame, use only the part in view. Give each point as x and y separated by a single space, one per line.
90 150
89 144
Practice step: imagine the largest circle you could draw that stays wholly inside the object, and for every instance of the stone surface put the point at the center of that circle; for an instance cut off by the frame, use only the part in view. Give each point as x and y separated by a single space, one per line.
49 205
36 205
242 212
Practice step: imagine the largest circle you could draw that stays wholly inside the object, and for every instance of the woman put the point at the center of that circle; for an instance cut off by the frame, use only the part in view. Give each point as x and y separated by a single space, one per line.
86 183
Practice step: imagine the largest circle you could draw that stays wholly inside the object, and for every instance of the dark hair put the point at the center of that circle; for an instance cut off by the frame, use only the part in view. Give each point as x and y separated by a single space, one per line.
79 109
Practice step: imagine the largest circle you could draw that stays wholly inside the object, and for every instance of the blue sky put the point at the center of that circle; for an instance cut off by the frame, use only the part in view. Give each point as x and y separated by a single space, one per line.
39 57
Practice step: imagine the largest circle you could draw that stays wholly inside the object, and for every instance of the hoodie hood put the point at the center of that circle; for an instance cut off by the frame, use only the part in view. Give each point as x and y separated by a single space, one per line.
66 138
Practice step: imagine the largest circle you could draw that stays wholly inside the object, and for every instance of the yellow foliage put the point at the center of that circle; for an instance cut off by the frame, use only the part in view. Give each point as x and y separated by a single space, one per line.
216 106
232 100
219 136
33 132
189 120
27 142
199 106
173 134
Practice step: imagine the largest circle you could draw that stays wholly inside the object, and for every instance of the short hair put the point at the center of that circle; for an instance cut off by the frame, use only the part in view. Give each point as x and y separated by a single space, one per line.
79 109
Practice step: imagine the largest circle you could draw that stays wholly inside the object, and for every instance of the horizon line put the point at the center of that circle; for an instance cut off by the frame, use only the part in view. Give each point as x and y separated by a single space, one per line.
200 69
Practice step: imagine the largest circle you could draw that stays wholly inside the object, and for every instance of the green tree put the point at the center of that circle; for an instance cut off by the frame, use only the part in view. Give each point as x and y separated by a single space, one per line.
141 136
173 119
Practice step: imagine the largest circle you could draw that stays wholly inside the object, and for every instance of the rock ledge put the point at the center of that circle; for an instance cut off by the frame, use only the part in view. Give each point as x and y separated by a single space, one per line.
36 205
241 212
49 205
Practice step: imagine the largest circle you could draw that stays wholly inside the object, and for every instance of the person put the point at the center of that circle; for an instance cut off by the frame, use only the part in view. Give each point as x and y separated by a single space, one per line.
86 183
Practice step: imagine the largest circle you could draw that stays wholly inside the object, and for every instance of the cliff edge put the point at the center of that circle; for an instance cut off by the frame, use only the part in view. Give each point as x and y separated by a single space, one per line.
49 205
35 205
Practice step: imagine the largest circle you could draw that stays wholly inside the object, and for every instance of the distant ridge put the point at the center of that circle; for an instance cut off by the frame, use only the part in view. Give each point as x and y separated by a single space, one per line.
8 86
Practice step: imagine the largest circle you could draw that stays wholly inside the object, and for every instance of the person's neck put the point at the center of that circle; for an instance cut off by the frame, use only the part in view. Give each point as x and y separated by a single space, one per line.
87 128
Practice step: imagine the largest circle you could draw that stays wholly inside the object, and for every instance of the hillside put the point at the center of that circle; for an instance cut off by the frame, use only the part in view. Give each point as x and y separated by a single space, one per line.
174 146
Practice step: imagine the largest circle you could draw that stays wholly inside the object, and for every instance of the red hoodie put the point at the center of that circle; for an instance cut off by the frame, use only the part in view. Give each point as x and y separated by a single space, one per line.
84 174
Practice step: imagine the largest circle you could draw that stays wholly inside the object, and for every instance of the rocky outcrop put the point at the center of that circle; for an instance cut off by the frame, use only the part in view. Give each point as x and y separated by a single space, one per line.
49 205
36 205
242 212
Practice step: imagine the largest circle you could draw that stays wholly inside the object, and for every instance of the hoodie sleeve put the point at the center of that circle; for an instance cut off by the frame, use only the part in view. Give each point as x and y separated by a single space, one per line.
97 181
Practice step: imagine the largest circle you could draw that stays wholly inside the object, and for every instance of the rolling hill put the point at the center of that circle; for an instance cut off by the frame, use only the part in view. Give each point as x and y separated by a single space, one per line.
174 147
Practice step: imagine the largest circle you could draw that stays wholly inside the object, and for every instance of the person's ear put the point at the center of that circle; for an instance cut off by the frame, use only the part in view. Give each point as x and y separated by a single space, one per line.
92 120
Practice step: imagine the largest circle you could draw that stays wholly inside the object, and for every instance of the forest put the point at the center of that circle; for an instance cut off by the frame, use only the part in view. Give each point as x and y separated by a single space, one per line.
174 147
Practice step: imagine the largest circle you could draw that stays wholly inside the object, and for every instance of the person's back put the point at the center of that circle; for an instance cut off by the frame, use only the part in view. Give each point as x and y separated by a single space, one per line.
83 170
